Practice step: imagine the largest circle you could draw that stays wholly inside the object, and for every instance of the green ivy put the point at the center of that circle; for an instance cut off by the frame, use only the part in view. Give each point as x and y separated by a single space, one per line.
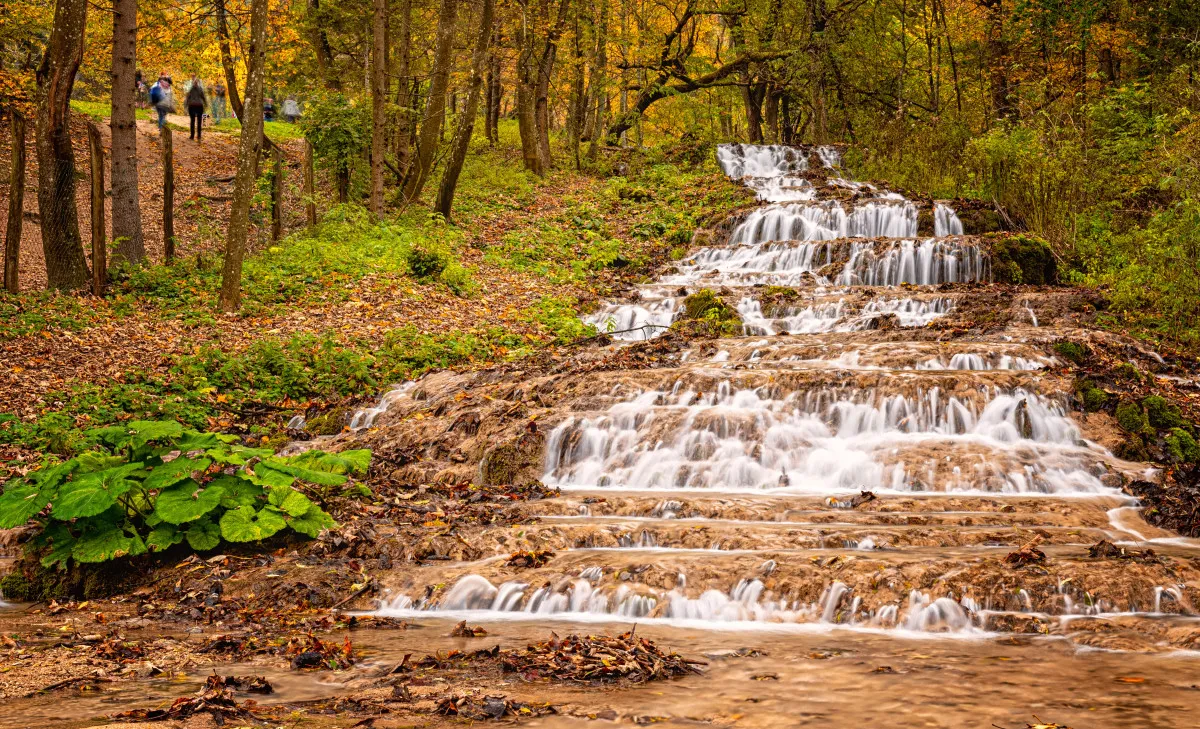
149 485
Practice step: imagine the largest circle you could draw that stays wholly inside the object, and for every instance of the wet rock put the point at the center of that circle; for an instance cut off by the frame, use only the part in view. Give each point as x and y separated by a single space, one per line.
518 461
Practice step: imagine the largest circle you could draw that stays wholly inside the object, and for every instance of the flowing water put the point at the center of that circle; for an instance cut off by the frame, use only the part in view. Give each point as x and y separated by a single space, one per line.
712 501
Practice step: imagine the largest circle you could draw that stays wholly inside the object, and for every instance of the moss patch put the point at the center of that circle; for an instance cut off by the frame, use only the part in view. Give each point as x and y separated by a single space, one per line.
1092 397
1073 352
1163 414
1023 259
1133 449
979 222
1131 417
329 423
706 307
1182 447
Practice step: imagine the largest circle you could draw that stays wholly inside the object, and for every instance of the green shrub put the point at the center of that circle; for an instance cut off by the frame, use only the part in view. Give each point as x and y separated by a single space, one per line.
559 316
1163 414
705 306
1182 447
150 485
1072 351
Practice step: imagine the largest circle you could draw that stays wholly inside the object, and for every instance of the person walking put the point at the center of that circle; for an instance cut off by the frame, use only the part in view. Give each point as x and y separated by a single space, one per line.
291 109
161 99
217 105
196 101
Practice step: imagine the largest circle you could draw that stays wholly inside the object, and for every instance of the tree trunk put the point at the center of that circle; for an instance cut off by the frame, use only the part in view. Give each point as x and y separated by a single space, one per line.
526 124
435 107
66 264
495 93
126 213
466 118
16 206
379 64
168 162
249 149
320 41
231 85
310 188
99 264
276 195
404 123
600 82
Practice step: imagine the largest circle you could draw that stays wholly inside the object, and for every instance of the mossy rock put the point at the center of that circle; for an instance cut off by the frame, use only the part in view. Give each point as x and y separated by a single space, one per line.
774 299
707 308
979 222
1128 371
516 462
1074 352
1132 448
330 423
1132 418
1163 414
1181 447
1023 259
925 227
1092 397
30 582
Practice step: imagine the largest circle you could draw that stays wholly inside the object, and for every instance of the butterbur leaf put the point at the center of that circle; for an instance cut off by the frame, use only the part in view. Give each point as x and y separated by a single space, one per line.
175 471
246 525
289 500
163 537
92 493
20 502
267 475
232 455
194 441
58 543
356 461
51 476
92 461
323 478
145 431
114 436
187 501
238 491
312 522
203 535
103 540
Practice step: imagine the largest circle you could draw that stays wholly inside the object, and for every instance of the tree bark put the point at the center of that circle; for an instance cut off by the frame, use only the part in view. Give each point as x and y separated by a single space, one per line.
16 206
310 188
599 83
168 162
249 149
404 124
66 264
231 85
495 93
126 211
99 255
379 64
466 118
435 107
276 194
320 41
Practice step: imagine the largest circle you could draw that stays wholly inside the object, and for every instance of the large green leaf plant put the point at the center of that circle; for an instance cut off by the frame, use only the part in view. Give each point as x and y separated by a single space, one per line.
147 486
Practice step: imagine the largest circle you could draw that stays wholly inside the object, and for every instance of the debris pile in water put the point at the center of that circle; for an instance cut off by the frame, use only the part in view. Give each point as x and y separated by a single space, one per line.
1105 549
216 698
601 658
1026 555
524 559
309 651
462 630
490 707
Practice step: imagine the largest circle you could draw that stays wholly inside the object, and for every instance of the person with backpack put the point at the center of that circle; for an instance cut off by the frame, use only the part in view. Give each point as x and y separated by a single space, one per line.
196 100
161 100
218 103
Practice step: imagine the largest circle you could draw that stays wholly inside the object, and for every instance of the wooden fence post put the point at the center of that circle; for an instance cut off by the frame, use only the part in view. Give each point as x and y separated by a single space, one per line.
310 202
16 205
99 254
277 195
168 196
